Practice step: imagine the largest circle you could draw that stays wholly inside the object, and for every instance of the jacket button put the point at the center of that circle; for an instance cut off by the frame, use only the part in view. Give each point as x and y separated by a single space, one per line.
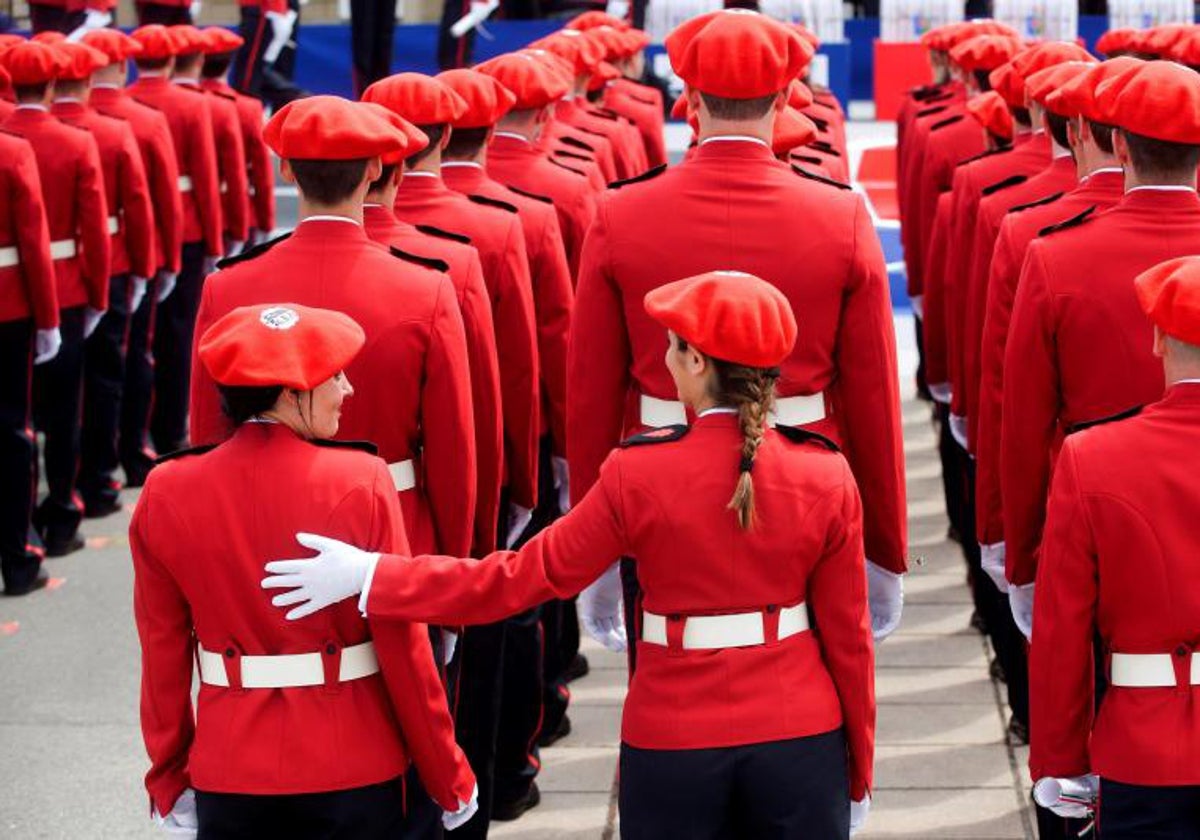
1181 651
330 649
230 652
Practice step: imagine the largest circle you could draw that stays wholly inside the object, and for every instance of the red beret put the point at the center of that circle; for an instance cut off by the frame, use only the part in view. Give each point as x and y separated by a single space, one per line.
415 138
113 43
1170 295
800 95
984 52
938 38
1041 84
1160 100
79 61
583 53
636 41
487 100
420 99
736 54
188 39
7 39
680 109
332 128
593 20
727 315
1115 41
557 64
32 63
1008 83
612 42
279 344
792 129
1186 50
1077 96
602 75
991 111
49 37
807 36
218 39
5 79
1159 40
157 41
532 82
1040 56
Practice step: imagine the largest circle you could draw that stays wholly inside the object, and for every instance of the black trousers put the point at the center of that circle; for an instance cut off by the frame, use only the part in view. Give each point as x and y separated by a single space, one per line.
137 397
18 454
454 52
250 74
175 326
149 13
44 18
781 790
477 718
1141 812
375 812
517 761
372 26
103 385
57 399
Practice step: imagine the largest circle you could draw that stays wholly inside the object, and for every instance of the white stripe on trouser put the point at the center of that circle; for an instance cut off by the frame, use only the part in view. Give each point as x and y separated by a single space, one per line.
404 475
9 257
185 183
63 249
295 670
713 632
789 411
1149 670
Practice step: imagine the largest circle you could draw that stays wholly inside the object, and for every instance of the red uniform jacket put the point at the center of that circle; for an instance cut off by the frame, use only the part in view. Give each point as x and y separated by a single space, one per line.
1079 346
232 168
27 290
1100 190
153 135
553 291
412 379
724 214
518 164
73 186
916 100
203 525
629 155
131 217
464 271
497 235
261 174
1119 561
643 105
566 140
911 162
189 116
692 559
933 302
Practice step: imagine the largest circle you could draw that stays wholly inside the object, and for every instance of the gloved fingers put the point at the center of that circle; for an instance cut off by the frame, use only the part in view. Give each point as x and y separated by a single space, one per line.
285 567
884 626
306 610
286 599
317 542
1071 811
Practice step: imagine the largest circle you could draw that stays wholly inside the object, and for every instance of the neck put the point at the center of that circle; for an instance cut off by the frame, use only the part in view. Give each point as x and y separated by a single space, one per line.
79 93
704 404
384 198
479 158
192 75
762 129
217 80
523 123
288 419
1135 179
432 162
43 102
351 209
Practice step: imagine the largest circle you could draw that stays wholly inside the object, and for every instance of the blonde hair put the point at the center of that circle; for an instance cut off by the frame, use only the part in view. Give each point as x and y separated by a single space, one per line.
752 392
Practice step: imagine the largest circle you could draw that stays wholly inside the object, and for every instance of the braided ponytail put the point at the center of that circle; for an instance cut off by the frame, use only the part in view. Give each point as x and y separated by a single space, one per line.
752 392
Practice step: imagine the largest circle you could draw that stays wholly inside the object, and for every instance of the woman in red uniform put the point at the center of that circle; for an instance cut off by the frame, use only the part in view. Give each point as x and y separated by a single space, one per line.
751 712
302 729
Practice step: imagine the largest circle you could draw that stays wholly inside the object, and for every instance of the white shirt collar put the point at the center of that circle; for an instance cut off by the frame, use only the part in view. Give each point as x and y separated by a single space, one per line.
188 82
32 107
151 74
417 174
328 217
1057 152
735 138
717 409
104 86
74 99
258 418
512 135
1162 188
461 164
1101 171
1186 382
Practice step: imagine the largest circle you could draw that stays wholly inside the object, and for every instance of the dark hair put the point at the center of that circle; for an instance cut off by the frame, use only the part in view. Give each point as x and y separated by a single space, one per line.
328 181
1103 135
216 64
594 95
188 61
37 91
1058 129
1161 159
983 78
738 109
435 133
150 63
385 176
1022 116
239 402
466 142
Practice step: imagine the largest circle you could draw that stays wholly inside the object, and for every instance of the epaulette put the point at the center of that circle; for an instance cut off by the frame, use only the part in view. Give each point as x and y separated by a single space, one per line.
1112 418
645 100
146 104
925 92
798 435
813 176
12 133
816 161
822 146
430 230
183 453
941 97
360 445
822 125
250 253
427 262
603 114
663 435
1039 203
1010 181
492 202
190 89
645 176
230 96
534 196
1074 221
929 112
562 165
983 155
572 155
578 144
957 118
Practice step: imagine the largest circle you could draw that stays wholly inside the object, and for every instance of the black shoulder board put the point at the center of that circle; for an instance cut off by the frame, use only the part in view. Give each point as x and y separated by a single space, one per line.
813 176
492 202
360 445
1120 415
232 97
929 112
534 196
558 163
924 91
1074 221
663 435
1039 203
145 104
250 253
572 155
430 230
590 131
983 155
946 122
940 97
183 453
428 262
1010 181
578 144
808 159
11 133
798 435
190 89
603 114
821 124
822 146
645 176
637 97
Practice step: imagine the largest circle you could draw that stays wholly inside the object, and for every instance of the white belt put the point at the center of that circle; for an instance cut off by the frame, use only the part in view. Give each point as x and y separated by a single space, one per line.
9 257
63 249
114 225
295 670
1149 670
404 475
185 183
713 632
789 411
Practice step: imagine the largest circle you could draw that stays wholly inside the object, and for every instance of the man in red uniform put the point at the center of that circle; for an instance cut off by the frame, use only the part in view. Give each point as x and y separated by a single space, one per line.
232 168
841 378
1118 565
73 184
133 261
187 111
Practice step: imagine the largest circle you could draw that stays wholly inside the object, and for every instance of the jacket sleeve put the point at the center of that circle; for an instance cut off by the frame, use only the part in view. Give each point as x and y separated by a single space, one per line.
575 217
1061 661
837 595
231 159
164 626
1030 418
954 276
553 298
867 398
33 238
162 166
138 221
448 466
93 226
937 370
262 174
910 232
977 278
208 424
205 181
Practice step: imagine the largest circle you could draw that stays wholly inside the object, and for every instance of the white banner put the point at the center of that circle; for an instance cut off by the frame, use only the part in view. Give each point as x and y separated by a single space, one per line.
1049 20
1142 14
908 20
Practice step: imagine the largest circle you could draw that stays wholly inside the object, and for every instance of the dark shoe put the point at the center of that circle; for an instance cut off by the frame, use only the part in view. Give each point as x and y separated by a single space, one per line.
509 811
1018 733
561 731
61 548
101 508
39 582
996 671
953 536
576 668
978 622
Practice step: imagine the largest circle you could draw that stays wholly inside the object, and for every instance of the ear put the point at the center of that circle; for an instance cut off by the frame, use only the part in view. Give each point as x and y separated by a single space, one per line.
1074 137
1160 342
781 100
374 170
695 102
491 132
445 141
697 362
285 171
1121 148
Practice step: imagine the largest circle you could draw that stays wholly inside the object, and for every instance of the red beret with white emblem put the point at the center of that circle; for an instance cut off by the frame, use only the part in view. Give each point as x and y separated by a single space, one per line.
332 128
736 54
1160 100
32 63
534 83
487 100
591 20
728 315
112 42
420 99
1170 294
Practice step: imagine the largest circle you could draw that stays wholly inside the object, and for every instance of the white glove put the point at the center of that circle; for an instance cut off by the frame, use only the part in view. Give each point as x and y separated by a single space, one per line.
339 571
858 814
449 643
182 821
885 597
518 521
91 320
958 430
453 819
137 292
562 482
602 610
195 9
46 344
1073 797
233 247
479 12
282 26
94 19
166 284
1020 601
617 8
210 265
992 559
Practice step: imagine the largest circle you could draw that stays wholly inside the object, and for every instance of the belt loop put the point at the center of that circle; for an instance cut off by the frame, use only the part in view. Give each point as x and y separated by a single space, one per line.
771 625
675 626
1181 661
331 664
231 658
